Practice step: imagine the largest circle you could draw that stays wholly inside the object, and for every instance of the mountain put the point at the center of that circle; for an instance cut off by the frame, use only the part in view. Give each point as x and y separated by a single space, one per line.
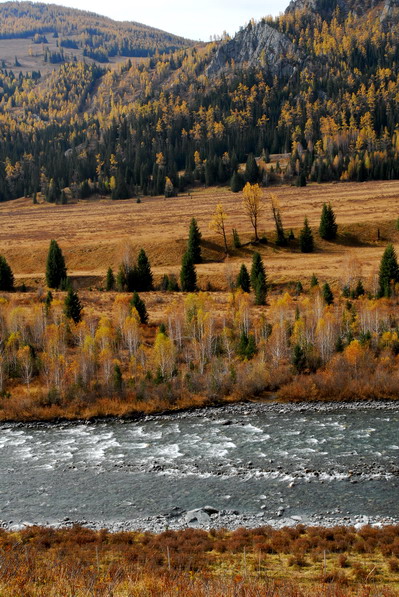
48 34
327 8
317 84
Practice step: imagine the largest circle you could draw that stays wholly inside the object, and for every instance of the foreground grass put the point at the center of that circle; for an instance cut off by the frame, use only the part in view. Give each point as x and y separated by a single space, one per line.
299 562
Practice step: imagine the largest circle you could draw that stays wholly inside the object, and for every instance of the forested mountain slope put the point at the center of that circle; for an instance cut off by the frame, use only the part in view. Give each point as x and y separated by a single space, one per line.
56 33
320 82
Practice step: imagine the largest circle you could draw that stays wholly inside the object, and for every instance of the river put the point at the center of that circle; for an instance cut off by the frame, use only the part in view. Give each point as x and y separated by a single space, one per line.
251 464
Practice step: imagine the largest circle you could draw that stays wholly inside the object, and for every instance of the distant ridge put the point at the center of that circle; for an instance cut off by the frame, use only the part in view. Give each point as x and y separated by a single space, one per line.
97 36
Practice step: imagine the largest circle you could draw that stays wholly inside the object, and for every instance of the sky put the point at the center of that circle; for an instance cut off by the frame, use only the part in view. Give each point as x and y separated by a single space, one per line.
193 20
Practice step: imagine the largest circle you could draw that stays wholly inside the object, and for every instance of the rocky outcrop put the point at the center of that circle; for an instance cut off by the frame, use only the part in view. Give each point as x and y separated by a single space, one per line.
390 10
326 8
257 44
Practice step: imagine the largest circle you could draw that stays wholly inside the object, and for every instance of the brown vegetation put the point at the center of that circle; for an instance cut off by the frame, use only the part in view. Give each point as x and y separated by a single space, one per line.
292 562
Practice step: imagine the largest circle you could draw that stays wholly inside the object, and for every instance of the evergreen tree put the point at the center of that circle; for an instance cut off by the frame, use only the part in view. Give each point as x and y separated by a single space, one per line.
328 228
327 294
251 169
110 280
306 238
298 288
6 276
236 239
299 358
194 242
258 279
243 279
121 279
55 268
237 182
48 301
359 291
314 281
188 274
247 346
281 240
139 305
72 306
389 271
117 378
145 281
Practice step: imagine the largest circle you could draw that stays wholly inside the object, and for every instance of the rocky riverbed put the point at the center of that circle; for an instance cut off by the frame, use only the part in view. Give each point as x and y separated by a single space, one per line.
242 465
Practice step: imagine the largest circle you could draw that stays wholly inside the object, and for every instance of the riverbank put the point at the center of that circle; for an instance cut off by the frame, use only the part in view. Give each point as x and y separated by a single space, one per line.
300 562
269 401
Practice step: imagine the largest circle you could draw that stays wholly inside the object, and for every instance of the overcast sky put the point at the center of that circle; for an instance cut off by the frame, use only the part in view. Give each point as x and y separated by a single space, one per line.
194 20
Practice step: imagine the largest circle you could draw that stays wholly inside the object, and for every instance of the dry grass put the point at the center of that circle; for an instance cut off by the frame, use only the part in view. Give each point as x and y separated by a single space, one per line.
95 234
296 562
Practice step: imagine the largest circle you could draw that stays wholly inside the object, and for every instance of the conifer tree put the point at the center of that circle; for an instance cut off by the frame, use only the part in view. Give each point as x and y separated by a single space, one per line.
237 182
72 306
251 169
55 268
48 301
140 307
188 274
359 291
258 279
6 276
389 272
314 281
194 242
281 240
236 239
145 281
327 294
306 238
110 280
243 279
328 228
117 378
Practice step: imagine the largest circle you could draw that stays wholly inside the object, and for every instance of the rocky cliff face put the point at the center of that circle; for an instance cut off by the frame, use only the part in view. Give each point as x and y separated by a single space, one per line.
254 45
327 7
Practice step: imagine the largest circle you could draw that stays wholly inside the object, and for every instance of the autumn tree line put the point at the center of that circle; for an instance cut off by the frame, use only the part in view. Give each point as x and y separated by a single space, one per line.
312 342
84 131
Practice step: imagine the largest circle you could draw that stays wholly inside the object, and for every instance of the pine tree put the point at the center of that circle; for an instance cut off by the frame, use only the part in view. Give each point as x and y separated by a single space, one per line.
6 276
145 281
72 306
117 378
299 358
327 294
306 241
110 280
251 169
328 228
281 240
314 281
140 307
258 279
48 301
194 242
56 272
237 182
236 239
359 291
243 279
188 274
389 272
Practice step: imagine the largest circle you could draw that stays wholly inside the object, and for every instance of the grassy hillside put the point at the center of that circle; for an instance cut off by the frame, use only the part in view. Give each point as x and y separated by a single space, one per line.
96 233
